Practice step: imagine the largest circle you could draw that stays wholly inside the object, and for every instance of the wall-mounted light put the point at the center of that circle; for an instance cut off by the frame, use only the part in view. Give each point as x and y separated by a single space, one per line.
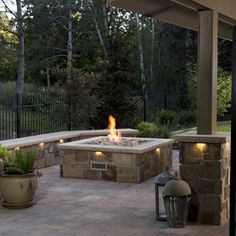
227 145
98 154
17 148
41 145
158 151
61 141
201 146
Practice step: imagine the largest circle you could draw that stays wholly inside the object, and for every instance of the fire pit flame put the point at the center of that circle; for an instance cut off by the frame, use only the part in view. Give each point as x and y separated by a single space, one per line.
114 136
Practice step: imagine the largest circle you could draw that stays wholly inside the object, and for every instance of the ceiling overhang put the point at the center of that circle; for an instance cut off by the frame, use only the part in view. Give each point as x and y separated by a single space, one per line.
183 13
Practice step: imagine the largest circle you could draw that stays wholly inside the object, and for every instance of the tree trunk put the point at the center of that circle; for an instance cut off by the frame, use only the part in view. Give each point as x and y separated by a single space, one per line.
48 78
99 34
104 10
20 52
48 68
141 65
69 45
113 13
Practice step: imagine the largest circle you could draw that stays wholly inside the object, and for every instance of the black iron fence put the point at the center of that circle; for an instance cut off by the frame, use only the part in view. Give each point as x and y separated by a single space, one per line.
38 113
50 111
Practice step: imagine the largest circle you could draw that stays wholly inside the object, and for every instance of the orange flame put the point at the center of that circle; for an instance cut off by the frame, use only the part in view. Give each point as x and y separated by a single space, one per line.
114 136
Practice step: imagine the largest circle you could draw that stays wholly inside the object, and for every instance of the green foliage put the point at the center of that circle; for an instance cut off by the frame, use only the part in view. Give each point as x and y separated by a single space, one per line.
150 130
83 97
164 132
20 163
8 93
192 87
187 118
225 55
224 85
7 49
167 118
105 47
147 130
114 92
4 153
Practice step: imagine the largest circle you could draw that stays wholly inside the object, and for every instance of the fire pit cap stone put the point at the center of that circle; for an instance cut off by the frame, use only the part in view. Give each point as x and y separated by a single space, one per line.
147 144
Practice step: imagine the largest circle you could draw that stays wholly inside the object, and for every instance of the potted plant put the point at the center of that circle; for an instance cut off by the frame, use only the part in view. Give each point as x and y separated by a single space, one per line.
3 153
18 182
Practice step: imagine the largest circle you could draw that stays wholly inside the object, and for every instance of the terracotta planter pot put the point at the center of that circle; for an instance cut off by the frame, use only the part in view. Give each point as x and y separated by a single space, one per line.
18 190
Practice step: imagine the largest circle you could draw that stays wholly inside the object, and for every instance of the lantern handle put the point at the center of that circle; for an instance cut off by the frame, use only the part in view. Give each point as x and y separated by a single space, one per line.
177 176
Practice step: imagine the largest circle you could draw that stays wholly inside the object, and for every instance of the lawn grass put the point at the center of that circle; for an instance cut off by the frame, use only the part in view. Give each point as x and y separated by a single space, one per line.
224 126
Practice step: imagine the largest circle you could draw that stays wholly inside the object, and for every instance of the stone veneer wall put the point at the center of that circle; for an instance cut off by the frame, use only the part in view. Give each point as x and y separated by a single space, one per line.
206 168
121 167
47 153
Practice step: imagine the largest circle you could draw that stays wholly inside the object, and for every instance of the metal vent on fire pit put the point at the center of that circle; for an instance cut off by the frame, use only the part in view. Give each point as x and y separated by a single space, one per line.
96 165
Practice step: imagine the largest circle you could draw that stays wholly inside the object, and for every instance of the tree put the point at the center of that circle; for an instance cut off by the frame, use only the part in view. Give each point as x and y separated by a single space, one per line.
20 50
19 33
224 91
8 43
141 64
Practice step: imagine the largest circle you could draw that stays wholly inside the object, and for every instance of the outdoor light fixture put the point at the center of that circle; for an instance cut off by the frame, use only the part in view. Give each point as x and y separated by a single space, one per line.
98 154
17 148
160 182
41 145
201 146
227 146
61 141
176 196
158 151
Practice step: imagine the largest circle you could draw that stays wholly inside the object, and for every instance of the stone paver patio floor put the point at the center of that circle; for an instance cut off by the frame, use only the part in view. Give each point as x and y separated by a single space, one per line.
67 207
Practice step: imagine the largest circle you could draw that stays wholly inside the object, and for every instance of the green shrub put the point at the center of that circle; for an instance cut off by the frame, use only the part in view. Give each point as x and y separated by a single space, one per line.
224 85
164 132
7 93
4 152
167 118
147 129
20 163
187 118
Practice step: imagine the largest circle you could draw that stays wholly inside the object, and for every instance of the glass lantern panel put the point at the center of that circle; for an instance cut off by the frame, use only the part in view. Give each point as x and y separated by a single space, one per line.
177 210
162 211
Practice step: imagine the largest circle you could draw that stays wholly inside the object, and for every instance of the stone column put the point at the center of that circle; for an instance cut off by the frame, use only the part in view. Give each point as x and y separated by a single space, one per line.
207 71
205 161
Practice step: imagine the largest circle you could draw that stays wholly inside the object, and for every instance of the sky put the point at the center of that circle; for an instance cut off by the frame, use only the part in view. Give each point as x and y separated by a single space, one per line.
11 4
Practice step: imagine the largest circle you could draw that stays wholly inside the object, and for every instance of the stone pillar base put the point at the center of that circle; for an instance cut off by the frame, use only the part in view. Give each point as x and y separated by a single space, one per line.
205 165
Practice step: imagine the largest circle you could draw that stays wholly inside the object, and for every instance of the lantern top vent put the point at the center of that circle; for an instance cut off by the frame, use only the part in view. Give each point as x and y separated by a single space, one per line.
176 188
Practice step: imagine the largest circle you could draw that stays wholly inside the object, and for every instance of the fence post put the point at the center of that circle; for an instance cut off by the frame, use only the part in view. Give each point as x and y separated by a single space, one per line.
69 111
145 107
18 115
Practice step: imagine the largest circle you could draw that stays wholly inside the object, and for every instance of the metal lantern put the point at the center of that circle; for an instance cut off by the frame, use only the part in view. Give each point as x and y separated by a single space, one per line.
160 182
176 196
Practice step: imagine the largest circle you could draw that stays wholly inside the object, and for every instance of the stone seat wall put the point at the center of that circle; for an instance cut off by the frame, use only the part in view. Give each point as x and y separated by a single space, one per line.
45 145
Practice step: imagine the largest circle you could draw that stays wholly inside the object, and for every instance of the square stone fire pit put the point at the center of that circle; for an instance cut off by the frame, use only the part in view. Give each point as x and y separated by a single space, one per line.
136 160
